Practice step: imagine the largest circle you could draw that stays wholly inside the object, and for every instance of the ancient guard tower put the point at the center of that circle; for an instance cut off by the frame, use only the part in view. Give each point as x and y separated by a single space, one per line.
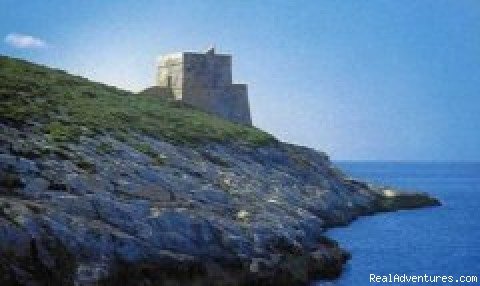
204 80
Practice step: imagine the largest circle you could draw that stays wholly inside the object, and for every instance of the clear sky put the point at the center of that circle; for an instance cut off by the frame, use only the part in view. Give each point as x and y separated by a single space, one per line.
376 80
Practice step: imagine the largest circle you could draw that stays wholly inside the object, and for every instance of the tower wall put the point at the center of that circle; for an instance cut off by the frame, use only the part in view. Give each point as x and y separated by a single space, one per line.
170 74
207 70
205 81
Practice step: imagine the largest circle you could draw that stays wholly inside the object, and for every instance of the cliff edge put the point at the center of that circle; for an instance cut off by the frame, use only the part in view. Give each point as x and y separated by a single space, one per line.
99 186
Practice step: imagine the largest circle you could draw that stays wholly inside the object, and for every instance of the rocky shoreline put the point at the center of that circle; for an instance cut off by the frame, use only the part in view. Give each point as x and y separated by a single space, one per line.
219 214
100 186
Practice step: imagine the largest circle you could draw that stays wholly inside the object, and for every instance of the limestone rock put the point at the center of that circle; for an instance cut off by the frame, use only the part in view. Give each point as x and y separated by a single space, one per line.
216 213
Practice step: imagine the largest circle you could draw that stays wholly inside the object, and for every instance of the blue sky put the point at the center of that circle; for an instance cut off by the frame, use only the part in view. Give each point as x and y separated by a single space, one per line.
362 80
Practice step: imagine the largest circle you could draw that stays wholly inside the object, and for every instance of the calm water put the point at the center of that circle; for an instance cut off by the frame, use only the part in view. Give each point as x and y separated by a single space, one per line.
439 241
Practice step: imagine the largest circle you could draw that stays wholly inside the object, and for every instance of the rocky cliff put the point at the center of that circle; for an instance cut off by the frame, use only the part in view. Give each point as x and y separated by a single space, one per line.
99 186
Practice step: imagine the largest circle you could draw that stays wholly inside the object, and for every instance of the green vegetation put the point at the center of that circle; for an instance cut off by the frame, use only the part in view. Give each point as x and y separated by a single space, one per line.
158 159
68 107
62 132
104 148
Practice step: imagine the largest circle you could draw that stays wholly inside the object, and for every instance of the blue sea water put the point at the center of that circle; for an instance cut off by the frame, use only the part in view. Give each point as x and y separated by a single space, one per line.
434 241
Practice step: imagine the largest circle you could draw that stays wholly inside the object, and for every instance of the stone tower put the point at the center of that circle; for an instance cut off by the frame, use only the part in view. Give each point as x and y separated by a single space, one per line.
204 80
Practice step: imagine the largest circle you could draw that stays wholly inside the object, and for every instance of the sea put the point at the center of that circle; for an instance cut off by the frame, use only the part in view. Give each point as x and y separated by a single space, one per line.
428 242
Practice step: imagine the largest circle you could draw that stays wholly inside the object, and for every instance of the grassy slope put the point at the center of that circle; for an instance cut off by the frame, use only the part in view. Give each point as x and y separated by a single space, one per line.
68 107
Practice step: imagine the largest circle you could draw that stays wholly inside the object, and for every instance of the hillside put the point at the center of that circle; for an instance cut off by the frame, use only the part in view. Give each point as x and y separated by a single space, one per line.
70 106
99 185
